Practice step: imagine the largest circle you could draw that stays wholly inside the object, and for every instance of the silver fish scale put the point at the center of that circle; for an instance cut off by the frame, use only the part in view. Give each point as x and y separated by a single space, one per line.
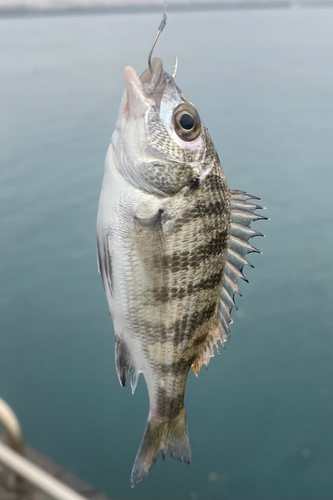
183 255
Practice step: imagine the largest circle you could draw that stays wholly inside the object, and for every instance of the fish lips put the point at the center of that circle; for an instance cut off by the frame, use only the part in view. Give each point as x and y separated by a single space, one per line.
140 93
154 82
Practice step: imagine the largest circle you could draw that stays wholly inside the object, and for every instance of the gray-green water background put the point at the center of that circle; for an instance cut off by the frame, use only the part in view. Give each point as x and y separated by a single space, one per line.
261 418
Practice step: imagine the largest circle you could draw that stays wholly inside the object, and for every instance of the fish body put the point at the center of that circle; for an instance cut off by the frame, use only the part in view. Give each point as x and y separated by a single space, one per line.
172 239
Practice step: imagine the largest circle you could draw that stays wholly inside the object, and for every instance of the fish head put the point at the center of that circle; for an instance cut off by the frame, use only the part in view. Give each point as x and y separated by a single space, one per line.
159 140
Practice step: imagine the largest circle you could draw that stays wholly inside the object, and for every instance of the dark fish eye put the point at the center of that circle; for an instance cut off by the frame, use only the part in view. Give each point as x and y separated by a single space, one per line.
186 122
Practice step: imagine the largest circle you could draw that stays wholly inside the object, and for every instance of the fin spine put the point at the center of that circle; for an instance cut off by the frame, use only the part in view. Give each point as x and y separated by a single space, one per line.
241 217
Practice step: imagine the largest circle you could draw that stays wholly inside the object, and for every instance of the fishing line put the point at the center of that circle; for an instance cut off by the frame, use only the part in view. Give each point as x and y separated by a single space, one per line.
159 31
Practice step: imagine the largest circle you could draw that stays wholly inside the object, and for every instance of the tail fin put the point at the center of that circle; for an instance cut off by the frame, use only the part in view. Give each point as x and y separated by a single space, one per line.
159 434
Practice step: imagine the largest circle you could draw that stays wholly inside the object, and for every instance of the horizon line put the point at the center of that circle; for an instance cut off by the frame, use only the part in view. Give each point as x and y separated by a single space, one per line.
19 11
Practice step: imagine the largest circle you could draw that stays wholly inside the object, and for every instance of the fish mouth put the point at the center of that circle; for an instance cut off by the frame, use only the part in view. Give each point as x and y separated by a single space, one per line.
154 82
148 89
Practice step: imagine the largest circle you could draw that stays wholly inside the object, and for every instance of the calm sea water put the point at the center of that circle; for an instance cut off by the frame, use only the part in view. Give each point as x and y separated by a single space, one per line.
261 418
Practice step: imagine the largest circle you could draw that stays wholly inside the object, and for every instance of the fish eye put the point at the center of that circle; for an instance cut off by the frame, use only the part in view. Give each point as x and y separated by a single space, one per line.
186 122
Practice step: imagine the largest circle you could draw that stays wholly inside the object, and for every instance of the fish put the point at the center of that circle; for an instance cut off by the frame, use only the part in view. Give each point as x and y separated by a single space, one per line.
172 241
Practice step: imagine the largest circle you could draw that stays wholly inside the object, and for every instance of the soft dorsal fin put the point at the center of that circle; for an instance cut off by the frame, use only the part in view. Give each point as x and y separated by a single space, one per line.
242 215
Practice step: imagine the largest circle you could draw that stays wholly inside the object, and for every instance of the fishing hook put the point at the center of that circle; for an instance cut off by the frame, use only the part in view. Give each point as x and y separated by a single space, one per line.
175 68
159 31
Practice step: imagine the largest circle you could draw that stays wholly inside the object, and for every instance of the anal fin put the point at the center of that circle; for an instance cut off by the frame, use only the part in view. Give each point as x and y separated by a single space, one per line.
124 365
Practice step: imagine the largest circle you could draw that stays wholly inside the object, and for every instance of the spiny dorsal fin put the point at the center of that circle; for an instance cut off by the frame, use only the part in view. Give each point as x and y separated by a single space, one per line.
242 215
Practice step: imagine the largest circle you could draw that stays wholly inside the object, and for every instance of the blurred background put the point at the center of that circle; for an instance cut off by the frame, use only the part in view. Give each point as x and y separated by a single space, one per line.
261 75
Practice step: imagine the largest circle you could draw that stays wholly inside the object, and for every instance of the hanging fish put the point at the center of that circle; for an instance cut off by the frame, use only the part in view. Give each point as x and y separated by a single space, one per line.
172 241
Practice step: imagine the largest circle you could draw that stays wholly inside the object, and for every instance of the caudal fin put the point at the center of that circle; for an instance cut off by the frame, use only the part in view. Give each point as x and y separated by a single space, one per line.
160 434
